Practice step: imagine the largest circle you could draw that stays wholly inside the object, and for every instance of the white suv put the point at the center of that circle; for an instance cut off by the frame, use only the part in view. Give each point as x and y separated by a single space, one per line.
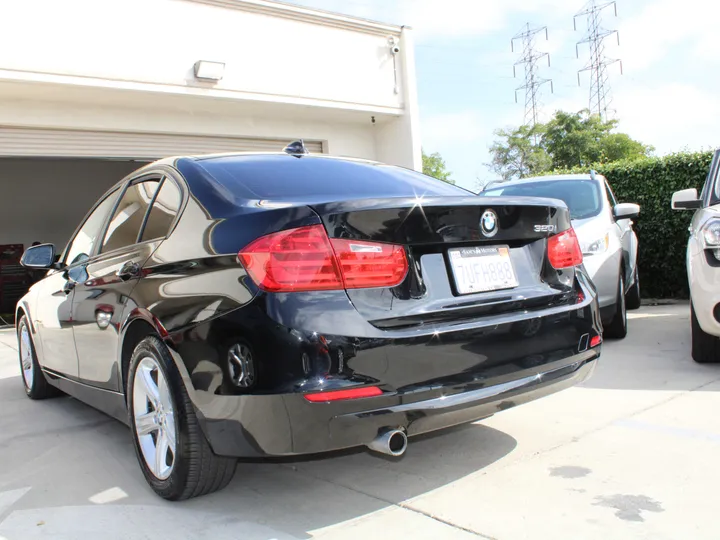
703 263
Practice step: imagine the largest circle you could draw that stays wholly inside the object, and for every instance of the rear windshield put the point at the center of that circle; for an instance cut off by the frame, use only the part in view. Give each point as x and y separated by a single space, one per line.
286 177
582 197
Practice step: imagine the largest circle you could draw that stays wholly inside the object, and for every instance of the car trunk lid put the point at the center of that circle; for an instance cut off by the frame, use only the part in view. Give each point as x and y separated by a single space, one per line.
436 230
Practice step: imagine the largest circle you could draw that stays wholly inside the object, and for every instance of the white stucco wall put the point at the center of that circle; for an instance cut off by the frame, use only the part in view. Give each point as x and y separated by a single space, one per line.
158 41
126 65
398 141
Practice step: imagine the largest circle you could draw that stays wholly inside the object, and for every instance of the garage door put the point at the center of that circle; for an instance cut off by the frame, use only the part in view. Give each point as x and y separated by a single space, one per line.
24 142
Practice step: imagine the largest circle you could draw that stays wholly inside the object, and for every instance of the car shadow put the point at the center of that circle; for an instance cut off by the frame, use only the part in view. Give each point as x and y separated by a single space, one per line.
83 478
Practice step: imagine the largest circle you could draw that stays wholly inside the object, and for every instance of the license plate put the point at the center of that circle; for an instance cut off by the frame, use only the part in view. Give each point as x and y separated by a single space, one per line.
481 269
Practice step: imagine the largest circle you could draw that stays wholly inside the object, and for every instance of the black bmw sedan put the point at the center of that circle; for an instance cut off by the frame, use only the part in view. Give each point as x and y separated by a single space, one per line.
255 305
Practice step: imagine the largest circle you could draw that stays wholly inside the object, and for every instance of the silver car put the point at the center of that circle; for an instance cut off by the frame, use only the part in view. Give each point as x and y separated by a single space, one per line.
605 231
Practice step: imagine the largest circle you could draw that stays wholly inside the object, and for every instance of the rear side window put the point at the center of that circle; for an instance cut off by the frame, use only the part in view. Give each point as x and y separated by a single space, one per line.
288 177
124 227
163 211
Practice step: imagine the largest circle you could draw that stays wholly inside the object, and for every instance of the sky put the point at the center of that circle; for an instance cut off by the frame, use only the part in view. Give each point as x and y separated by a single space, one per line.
668 95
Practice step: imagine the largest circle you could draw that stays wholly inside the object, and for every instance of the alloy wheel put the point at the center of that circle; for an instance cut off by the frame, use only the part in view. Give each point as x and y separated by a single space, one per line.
155 424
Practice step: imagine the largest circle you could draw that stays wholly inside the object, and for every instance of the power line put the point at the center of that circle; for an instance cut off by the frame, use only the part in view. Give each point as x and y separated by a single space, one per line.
529 59
600 98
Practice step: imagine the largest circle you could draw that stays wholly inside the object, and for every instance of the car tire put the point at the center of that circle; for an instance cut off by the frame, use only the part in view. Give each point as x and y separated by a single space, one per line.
617 329
632 298
34 381
705 347
162 419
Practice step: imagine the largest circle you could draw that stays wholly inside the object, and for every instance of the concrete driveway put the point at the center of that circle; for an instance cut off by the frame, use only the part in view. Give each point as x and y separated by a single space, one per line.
633 453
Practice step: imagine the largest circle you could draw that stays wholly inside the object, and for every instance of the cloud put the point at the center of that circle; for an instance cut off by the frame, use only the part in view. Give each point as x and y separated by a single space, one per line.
445 18
671 117
651 35
432 18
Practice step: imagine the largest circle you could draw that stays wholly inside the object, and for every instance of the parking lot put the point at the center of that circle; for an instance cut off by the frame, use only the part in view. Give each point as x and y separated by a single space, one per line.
632 453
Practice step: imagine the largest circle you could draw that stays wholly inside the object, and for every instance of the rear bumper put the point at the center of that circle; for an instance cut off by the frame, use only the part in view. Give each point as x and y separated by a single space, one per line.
288 425
467 406
432 376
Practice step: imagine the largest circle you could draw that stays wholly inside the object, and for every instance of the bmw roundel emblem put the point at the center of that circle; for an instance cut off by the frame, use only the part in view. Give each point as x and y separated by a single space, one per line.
489 223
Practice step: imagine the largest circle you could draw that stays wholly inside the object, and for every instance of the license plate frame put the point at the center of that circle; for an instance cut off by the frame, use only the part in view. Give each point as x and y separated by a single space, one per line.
469 278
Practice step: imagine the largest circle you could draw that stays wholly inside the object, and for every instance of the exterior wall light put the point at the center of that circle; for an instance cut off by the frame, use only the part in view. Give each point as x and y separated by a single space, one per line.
209 71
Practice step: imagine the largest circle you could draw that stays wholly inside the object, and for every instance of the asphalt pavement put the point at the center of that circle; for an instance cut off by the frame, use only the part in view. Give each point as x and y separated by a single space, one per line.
632 453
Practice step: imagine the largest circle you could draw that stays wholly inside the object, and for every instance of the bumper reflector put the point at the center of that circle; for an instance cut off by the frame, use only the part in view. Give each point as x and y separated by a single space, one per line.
597 340
338 395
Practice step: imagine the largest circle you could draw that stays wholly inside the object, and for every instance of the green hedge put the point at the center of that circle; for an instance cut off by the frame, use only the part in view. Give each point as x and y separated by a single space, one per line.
662 232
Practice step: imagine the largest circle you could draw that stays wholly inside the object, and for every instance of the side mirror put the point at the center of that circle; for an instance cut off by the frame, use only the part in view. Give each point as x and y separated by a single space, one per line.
626 211
42 256
686 199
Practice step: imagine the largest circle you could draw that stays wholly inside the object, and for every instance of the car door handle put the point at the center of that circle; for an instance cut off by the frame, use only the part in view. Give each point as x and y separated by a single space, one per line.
68 287
128 270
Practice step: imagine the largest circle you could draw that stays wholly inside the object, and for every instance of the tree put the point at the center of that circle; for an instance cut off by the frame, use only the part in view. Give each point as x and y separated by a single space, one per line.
582 139
618 146
434 165
517 153
567 141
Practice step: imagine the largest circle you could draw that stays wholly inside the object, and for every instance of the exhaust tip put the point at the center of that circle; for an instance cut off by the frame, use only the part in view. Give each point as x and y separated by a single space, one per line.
392 442
397 443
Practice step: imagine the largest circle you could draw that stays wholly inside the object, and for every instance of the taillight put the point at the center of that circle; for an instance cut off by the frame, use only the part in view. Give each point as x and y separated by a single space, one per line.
365 264
564 250
293 260
305 259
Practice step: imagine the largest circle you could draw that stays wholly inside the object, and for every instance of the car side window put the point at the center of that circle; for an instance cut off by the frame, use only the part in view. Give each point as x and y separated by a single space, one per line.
124 227
163 211
81 247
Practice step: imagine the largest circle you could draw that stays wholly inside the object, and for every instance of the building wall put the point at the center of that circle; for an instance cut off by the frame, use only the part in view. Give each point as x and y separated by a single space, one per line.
127 65
158 41
45 200
398 141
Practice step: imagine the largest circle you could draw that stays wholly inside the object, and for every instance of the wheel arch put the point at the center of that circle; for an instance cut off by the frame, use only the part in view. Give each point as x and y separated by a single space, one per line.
137 326
22 309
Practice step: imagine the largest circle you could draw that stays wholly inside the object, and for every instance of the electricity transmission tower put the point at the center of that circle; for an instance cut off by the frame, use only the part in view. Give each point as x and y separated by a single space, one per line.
530 58
600 98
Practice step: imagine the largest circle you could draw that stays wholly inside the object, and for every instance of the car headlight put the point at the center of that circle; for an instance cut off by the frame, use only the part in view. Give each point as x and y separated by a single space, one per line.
710 234
599 246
